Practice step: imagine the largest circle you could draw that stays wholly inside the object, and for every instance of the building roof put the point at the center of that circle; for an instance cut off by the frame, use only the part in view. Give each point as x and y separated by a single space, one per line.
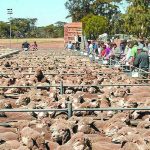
74 25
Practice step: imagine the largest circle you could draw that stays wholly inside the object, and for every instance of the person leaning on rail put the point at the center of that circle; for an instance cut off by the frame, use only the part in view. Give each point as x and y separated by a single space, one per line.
142 60
25 46
34 46
69 46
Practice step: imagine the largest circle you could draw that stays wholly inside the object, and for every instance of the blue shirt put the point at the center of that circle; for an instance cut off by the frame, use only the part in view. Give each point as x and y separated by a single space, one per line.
69 45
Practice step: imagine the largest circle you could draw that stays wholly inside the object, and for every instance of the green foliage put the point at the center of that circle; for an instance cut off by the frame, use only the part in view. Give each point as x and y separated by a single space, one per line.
116 25
22 27
137 18
4 29
94 26
54 30
135 21
80 8
26 28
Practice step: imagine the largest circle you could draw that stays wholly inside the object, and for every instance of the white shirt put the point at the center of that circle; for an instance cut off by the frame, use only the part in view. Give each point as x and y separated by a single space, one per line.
128 54
76 39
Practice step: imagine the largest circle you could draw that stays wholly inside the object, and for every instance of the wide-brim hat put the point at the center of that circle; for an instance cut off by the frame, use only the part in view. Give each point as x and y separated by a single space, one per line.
145 49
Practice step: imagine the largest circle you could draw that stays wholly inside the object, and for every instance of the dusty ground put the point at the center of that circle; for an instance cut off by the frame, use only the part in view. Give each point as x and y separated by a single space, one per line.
42 43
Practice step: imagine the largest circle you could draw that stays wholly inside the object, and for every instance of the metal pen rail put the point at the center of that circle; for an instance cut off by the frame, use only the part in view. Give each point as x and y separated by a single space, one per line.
9 54
69 110
45 73
62 86
111 64
32 110
102 85
52 56
47 67
67 74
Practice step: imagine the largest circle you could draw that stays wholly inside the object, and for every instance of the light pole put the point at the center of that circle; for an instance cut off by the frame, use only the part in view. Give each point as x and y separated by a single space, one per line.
10 12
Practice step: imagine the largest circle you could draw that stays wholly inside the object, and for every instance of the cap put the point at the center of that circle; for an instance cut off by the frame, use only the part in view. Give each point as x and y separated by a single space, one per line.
140 47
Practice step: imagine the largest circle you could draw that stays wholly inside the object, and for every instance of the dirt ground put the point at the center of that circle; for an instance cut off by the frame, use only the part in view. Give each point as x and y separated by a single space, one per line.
42 43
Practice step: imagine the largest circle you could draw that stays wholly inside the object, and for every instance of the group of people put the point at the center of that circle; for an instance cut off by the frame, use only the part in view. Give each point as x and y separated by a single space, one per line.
72 46
26 46
129 52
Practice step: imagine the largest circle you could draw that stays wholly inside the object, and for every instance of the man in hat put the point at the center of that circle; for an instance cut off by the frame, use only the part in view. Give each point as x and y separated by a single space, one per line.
26 46
134 50
142 59
69 46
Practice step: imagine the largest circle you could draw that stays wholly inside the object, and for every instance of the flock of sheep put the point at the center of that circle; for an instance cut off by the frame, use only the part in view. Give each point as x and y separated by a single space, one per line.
32 81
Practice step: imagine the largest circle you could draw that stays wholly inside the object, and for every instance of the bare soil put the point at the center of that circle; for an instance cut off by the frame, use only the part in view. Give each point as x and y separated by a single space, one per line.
42 43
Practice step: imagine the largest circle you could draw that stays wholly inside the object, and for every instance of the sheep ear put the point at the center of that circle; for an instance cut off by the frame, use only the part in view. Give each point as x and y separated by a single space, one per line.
88 143
123 143
53 114
66 136
75 128
90 121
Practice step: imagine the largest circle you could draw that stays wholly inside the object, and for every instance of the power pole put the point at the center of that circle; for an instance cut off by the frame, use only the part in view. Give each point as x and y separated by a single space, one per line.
10 12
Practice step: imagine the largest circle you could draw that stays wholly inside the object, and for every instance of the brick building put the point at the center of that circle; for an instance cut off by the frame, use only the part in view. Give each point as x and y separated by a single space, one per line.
71 30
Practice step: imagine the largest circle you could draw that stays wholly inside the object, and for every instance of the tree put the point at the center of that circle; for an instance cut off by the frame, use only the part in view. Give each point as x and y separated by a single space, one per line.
105 8
24 27
4 30
49 31
116 24
94 26
59 28
80 8
136 20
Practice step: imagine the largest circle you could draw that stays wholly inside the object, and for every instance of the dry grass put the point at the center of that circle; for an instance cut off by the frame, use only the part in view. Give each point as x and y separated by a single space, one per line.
38 40
43 43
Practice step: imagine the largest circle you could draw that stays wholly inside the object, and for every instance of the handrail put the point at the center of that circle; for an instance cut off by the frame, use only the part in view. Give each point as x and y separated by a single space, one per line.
70 109
111 109
101 85
48 73
9 53
32 110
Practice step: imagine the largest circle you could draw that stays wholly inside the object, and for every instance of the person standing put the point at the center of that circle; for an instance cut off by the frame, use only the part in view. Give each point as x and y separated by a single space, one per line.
142 60
87 47
25 46
123 46
34 46
99 49
91 49
69 46
103 51
134 50
127 57
95 47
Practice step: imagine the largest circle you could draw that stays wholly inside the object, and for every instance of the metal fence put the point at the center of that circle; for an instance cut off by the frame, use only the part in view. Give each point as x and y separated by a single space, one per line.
62 86
69 110
9 53
67 74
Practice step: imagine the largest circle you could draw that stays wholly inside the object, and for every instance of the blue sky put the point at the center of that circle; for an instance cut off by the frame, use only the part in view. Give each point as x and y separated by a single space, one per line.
47 11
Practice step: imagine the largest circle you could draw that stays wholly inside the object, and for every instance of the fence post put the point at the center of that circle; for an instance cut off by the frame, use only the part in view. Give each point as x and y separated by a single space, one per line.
69 109
82 89
110 63
102 117
61 88
35 87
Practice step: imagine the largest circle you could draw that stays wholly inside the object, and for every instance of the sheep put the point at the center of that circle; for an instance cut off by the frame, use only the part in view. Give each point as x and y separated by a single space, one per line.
77 142
60 132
